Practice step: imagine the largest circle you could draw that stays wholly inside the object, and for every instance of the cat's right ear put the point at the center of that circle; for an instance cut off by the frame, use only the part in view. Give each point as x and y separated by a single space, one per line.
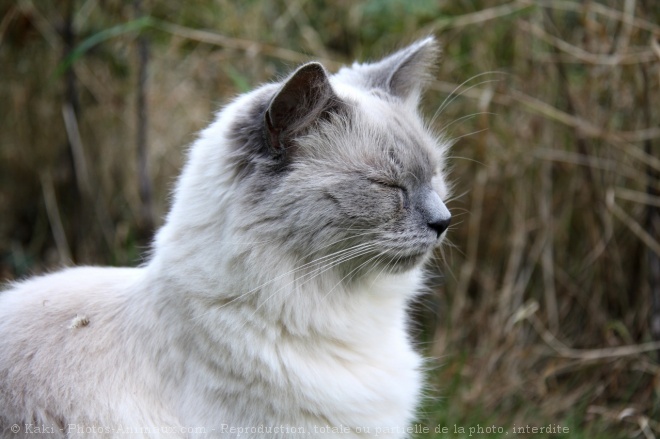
301 100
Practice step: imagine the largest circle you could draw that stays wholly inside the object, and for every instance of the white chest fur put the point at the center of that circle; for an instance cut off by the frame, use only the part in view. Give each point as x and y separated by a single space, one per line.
352 367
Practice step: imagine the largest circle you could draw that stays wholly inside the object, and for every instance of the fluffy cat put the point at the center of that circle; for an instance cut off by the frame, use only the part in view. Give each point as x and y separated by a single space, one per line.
274 301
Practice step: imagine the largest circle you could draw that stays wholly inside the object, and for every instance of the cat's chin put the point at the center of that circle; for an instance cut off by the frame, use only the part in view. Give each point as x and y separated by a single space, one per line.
398 263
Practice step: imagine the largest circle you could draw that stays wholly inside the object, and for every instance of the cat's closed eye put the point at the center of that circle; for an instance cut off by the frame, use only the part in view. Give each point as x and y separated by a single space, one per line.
395 188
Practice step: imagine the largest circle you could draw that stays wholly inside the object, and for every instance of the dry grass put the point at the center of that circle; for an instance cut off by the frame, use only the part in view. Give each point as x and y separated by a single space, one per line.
548 296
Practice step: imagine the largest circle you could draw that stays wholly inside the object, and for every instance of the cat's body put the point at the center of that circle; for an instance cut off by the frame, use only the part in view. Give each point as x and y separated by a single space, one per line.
275 299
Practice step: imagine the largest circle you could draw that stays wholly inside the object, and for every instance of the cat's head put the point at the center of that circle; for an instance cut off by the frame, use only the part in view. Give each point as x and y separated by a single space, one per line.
342 166
335 168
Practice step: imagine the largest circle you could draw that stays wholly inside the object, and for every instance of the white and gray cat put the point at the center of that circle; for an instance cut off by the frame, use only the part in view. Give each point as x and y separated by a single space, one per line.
274 301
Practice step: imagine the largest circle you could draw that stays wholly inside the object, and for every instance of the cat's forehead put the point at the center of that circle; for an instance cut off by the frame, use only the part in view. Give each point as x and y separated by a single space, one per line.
391 129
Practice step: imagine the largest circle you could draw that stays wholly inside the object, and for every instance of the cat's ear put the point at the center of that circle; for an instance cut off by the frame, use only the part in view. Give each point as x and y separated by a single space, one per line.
404 73
300 101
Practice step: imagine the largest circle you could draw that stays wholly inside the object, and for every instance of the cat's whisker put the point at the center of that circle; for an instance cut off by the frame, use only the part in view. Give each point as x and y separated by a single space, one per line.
453 226
456 96
457 197
451 245
359 235
443 260
338 254
469 116
448 100
457 213
456 139
316 273
356 252
352 273
334 258
386 267
469 159
382 270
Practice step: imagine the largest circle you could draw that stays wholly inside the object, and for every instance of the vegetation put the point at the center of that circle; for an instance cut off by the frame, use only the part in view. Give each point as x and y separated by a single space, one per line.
545 315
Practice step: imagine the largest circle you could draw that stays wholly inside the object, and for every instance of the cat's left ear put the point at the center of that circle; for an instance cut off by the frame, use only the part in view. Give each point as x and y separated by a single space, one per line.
301 100
403 74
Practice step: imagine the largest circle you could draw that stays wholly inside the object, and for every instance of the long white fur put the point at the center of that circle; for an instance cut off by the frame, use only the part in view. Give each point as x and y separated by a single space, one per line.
193 345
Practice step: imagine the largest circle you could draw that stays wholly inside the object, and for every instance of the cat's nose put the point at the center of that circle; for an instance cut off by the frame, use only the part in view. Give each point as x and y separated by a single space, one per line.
440 225
435 212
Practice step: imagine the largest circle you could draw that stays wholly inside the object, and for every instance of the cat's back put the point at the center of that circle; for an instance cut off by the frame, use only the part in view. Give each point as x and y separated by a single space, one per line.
58 350
54 300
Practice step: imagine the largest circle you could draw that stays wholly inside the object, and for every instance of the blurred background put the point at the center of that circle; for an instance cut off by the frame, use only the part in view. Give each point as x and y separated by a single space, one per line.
546 306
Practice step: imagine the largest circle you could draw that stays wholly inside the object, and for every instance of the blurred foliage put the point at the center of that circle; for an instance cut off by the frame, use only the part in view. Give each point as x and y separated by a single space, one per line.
544 310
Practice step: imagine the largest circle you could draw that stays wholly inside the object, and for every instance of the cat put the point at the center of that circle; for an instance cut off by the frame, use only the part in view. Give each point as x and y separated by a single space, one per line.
274 301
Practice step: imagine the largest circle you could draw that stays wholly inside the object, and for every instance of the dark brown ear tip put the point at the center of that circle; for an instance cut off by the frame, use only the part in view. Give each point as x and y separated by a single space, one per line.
312 69
312 66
